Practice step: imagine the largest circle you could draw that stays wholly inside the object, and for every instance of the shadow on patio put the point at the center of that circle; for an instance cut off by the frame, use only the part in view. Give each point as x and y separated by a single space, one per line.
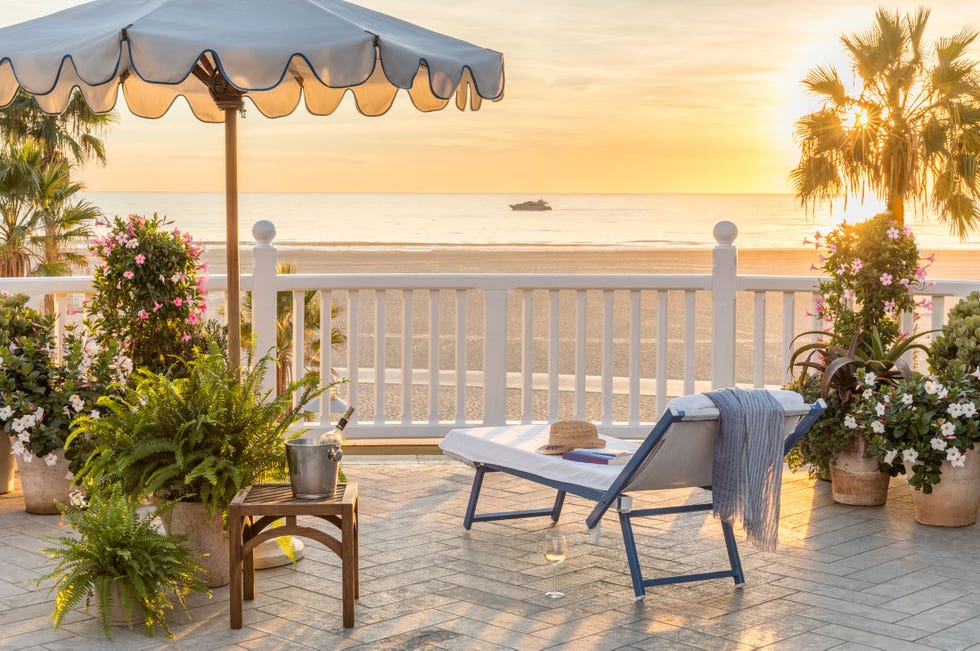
853 577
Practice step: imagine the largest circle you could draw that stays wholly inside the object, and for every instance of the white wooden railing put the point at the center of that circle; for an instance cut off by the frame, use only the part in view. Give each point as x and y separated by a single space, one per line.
429 352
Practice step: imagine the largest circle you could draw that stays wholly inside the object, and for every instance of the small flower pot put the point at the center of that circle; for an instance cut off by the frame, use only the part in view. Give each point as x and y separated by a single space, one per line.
953 502
205 535
855 479
44 485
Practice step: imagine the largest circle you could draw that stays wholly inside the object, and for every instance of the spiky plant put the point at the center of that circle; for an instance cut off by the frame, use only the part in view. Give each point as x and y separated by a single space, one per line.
200 438
116 546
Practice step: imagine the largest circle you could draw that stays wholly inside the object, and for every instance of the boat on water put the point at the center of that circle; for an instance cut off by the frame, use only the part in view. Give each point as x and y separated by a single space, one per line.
540 204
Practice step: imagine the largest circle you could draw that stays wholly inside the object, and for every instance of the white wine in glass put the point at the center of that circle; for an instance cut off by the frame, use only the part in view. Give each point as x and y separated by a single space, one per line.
555 551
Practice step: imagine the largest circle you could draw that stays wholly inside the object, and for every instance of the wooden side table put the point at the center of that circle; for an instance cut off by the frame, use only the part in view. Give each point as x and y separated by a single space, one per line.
256 507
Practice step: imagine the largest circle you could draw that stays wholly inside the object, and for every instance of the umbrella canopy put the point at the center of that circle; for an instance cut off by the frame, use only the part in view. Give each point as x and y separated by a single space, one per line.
215 53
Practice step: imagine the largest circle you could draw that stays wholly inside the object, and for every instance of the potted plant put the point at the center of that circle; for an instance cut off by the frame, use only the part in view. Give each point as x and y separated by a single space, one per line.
194 441
150 291
119 558
42 392
930 430
870 272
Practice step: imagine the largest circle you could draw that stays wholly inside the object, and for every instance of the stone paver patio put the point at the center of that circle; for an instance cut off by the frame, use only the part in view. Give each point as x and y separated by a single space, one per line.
843 578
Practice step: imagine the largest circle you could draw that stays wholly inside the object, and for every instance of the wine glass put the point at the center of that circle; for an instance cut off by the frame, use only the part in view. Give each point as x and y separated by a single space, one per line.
555 551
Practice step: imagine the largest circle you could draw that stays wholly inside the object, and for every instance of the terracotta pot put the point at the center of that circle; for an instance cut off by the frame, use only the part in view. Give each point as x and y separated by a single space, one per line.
118 615
856 480
953 502
6 465
205 535
43 484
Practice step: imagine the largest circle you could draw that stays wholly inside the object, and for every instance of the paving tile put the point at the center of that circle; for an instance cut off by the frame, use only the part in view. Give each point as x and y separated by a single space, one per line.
843 577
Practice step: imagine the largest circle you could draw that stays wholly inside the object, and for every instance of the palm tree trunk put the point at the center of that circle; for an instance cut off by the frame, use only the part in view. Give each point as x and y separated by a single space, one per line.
896 204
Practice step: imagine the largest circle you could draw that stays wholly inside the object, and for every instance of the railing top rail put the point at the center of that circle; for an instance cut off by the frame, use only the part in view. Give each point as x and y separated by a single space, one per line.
289 282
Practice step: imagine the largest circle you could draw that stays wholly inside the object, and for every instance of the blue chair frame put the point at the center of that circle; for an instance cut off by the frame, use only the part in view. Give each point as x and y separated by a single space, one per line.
615 495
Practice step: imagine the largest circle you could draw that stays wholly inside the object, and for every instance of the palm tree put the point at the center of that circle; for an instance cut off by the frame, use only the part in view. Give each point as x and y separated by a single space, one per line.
19 185
72 135
910 130
63 221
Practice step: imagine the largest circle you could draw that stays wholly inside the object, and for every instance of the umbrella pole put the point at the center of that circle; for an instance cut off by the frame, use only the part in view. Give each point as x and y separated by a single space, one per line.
233 294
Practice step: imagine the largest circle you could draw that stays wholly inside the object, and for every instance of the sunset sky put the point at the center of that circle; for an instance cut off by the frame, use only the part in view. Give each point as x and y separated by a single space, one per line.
624 96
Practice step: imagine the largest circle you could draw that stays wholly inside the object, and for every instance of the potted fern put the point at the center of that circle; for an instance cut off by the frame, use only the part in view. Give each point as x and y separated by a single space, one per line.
193 442
133 571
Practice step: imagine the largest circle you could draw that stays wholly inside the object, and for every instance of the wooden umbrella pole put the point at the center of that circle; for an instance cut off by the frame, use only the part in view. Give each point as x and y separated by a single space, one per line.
233 296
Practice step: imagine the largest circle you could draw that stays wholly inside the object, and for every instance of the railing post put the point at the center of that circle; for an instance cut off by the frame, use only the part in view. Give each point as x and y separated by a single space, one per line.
264 296
495 358
724 269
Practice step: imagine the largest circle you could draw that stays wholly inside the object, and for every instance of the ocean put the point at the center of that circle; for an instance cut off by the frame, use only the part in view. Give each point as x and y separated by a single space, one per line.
486 220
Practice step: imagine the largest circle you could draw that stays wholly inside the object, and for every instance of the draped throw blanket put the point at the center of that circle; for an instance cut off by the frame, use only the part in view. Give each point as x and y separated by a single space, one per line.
748 462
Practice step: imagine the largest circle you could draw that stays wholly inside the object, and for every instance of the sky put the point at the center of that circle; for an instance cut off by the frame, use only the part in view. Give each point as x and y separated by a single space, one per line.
602 96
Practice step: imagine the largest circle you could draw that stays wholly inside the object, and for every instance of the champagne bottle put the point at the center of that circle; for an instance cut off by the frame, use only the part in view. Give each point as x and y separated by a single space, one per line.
336 434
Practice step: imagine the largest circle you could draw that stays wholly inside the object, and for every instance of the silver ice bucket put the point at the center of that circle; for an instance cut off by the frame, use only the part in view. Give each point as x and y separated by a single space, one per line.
313 468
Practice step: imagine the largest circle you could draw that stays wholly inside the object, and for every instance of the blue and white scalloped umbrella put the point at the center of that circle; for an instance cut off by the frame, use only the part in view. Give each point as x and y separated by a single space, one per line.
215 53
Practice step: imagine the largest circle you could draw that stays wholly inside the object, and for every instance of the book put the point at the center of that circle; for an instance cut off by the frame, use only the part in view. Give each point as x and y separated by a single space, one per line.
600 456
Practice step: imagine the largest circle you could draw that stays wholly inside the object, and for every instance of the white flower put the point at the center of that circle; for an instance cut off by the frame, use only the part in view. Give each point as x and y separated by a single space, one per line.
869 379
931 387
968 409
942 392
850 422
955 457
77 403
880 409
39 414
17 425
867 394
77 499
890 456
906 399
94 413
6 412
69 475
17 447
954 410
878 427
29 420
938 444
910 455
948 429
132 244
27 456
50 459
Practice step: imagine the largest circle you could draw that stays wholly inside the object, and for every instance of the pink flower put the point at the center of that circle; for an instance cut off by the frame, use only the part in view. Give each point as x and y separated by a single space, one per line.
857 265
926 305
920 273
157 306
931 257
848 294
186 337
193 318
889 306
162 279
144 315
886 279
128 275
178 301
832 248
893 233
140 258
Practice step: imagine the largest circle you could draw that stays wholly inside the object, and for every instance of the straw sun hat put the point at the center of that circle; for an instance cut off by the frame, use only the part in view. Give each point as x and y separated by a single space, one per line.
567 435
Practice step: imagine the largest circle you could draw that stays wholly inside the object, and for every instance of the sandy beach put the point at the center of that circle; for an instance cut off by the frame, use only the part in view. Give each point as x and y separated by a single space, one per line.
949 265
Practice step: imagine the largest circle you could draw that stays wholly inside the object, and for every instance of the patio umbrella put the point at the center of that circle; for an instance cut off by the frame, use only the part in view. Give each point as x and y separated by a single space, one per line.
215 53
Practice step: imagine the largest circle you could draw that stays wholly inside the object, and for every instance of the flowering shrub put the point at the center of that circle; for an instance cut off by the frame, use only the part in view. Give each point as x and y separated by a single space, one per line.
872 269
41 395
920 422
149 294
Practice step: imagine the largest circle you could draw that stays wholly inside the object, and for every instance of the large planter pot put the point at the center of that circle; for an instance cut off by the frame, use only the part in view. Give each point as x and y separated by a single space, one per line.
43 485
953 502
6 465
205 535
118 615
855 479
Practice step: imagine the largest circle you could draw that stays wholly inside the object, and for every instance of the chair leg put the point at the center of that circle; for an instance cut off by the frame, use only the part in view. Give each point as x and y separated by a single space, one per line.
474 496
631 556
559 502
733 558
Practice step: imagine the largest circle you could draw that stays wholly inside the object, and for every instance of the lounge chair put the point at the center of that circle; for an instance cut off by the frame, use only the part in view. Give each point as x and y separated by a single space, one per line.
678 453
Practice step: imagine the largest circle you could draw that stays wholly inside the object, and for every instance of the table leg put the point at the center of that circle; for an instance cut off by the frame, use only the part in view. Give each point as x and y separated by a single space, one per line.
357 555
235 561
349 565
248 563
